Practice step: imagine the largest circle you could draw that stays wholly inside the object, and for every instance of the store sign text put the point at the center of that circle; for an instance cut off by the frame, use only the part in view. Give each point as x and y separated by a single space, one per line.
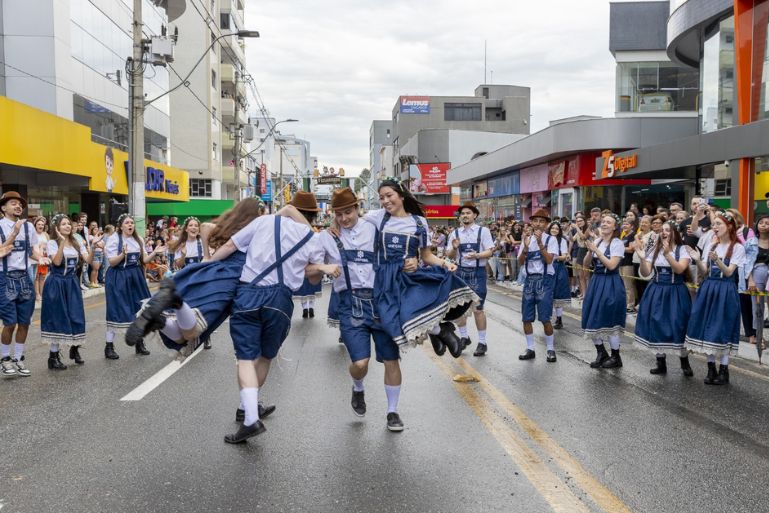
615 165
156 181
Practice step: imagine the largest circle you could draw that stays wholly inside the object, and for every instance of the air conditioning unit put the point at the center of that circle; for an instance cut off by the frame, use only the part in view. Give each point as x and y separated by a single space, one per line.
248 133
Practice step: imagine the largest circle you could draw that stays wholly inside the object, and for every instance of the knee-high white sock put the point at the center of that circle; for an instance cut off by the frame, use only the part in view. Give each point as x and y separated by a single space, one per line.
463 331
659 355
304 305
19 351
110 336
549 342
482 336
434 330
559 312
684 353
250 399
357 385
54 347
171 329
393 394
614 341
311 304
186 318
725 359
598 341
530 341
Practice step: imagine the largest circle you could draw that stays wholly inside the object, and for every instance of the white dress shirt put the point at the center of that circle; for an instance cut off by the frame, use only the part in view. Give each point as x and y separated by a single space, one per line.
361 237
16 258
470 235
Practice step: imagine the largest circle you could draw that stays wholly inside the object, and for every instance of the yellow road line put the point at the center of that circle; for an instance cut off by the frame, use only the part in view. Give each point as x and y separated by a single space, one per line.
601 495
550 486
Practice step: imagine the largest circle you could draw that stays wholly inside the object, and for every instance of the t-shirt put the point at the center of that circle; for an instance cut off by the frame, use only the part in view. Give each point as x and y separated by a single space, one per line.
538 266
691 240
405 225
16 259
361 237
617 248
470 235
69 252
627 258
110 248
257 240
737 258
663 262
192 250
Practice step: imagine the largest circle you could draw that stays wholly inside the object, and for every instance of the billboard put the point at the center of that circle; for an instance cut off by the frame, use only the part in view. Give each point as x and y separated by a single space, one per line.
415 104
263 178
267 195
440 211
429 178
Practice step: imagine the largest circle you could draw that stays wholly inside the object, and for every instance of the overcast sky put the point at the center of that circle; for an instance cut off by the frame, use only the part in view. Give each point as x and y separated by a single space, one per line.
337 65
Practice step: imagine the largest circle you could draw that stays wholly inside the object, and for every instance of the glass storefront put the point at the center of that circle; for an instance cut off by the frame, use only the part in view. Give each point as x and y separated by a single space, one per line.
717 78
763 107
656 87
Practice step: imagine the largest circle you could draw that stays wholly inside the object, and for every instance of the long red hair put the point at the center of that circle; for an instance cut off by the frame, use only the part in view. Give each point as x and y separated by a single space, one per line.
731 226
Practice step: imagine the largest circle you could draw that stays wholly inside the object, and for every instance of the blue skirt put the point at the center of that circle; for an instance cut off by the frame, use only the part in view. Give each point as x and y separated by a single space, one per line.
210 288
411 304
333 309
562 289
125 290
663 316
604 307
62 318
308 290
714 325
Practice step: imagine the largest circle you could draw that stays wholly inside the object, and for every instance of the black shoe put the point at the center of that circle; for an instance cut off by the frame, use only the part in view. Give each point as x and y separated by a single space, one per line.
528 355
245 432
480 349
601 356
723 375
685 367
358 403
394 422
712 374
151 317
450 339
614 361
438 346
54 362
74 354
312 313
558 324
141 348
550 356
466 341
305 313
766 323
264 411
662 366
207 343
109 352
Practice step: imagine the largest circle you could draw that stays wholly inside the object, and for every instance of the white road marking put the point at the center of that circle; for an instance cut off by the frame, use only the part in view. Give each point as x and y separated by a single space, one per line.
138 393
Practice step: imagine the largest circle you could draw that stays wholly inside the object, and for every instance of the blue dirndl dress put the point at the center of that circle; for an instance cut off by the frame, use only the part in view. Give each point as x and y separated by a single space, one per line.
561 288
604 306
125 290
664 311
714 325
62 318
308 290
210 289
411 304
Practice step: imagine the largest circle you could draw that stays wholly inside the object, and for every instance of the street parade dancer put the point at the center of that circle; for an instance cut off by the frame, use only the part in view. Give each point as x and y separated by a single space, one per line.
419 302
354 249
279 252
605 304
666 304
472 245
306 295
62 316
561 288
536 255
19 299
124 283
188 248
714 324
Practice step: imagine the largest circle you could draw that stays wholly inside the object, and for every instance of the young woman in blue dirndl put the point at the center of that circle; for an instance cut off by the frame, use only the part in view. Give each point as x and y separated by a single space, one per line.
197 300
663 313
188 248
62 319
414 301
125 285
604 306
561 288
714 325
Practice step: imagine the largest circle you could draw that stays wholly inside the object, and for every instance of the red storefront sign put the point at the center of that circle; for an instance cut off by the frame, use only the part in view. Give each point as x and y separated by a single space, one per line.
579 170
263 179
429 178
440 211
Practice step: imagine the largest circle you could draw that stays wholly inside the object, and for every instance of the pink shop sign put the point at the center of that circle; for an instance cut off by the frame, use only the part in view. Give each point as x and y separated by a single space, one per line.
534 179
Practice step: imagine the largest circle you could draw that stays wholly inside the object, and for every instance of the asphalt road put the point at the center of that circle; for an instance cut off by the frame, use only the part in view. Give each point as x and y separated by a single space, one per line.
527 437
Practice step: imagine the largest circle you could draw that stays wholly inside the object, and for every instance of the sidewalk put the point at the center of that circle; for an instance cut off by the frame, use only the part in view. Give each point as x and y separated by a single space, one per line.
746 351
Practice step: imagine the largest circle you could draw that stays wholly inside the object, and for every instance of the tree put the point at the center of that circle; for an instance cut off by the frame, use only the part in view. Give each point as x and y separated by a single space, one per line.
363 178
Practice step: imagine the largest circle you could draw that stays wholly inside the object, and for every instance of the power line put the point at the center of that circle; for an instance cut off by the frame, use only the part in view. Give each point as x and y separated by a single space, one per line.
187 86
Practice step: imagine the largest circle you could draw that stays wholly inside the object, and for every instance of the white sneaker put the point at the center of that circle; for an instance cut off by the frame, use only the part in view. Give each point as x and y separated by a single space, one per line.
21 368
7 367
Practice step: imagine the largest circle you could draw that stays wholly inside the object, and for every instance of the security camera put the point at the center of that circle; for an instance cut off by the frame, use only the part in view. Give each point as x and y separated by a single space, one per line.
726 163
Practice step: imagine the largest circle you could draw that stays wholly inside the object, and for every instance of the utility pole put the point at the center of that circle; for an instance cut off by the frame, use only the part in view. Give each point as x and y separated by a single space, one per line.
236 148
136 178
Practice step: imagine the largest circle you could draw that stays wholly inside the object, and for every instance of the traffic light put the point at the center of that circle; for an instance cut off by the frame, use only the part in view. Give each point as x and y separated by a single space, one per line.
287 194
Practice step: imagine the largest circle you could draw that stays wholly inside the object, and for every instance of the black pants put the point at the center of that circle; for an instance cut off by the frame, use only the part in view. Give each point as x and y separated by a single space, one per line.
640 285
746 308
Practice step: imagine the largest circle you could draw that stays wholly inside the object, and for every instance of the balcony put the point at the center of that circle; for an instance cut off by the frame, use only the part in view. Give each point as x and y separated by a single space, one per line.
227 72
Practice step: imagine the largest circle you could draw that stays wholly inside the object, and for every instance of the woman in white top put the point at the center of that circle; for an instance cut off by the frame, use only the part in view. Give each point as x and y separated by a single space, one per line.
41 267
188 249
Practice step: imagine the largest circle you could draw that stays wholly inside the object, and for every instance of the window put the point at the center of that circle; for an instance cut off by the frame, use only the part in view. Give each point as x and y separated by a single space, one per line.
200 187
213 79
723 188
213 115
461 111
214 155
224 21
717 78
656 87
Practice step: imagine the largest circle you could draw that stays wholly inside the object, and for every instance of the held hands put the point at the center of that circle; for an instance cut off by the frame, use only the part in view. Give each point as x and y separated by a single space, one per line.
332 270
450 267
410 265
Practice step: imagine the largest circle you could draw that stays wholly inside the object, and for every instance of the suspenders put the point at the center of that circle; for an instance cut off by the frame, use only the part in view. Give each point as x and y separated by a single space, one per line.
478 242
280 259
385 218
343 256
27 248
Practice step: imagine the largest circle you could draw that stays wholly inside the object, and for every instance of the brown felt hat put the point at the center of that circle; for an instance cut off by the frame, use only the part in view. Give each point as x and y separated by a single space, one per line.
343 198
8 196
471 206
305 201
541 213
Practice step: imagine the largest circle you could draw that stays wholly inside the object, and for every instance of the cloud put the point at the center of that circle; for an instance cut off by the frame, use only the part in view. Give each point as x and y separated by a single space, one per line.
338 65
